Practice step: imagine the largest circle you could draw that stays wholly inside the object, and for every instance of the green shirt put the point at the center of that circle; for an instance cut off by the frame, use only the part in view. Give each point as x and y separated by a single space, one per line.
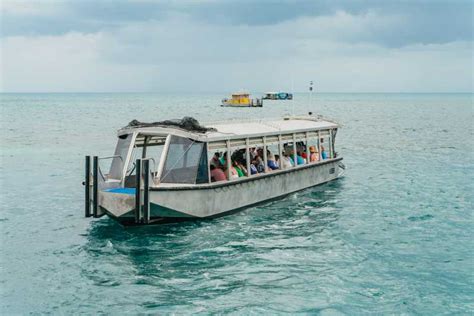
239 172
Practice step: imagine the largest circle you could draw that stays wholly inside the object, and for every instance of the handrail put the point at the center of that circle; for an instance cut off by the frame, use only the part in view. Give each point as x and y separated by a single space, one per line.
110 157
104 158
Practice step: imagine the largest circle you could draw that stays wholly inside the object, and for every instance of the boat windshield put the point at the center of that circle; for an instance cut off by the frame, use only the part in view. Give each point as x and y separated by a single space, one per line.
120 155
186 162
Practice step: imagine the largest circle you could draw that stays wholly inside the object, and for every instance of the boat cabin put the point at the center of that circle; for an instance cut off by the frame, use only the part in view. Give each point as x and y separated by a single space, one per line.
241 98
239 149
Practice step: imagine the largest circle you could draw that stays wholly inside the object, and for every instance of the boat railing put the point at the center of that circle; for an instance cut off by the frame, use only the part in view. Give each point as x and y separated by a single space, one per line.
105 176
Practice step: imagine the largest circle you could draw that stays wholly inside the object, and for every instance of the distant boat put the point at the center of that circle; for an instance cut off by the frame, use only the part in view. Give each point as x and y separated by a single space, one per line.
278 96
241 99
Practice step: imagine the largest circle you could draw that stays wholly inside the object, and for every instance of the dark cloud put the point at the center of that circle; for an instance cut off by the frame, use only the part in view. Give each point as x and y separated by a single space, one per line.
420 21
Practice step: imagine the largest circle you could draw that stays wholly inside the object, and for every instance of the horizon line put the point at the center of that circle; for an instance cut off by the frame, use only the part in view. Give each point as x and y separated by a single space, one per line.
217 92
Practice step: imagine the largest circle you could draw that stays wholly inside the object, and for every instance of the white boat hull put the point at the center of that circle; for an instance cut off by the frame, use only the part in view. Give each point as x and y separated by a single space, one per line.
217 199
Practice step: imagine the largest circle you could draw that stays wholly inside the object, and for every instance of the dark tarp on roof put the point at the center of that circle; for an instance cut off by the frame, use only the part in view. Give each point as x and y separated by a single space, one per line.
186 123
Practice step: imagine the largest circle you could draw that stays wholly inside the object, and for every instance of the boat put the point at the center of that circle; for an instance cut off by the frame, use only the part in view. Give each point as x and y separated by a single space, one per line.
171 171
278 96
241 99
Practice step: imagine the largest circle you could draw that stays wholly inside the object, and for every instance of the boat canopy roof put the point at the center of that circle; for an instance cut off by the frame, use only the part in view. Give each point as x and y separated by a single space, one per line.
234 129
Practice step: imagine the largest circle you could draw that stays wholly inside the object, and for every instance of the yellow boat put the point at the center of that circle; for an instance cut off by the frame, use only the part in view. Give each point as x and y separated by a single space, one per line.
242 99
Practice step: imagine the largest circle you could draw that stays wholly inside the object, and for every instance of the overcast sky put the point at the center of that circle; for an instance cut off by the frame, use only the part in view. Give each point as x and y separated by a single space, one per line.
222 46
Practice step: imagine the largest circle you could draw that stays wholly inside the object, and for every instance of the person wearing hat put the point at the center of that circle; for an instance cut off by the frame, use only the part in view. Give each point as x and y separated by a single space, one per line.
314 155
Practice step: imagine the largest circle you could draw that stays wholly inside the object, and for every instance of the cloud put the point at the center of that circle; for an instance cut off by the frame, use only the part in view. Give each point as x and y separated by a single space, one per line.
419 21
220 46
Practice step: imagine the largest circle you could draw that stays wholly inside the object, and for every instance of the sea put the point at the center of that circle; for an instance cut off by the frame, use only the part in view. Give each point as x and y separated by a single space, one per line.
395 235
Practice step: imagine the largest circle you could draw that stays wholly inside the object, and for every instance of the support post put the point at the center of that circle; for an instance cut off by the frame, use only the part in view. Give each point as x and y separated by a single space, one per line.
265 158
319 147
146 191
247 156
295 159
138 204
307 148
87 186
229 163
280 151
209 180
330 145
95 183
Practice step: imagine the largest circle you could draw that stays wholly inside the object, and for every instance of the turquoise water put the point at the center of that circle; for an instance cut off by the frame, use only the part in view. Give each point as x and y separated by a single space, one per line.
395 235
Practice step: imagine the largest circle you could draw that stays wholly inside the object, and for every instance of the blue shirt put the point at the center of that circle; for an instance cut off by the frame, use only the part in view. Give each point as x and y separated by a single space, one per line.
272 165
299 160
253 169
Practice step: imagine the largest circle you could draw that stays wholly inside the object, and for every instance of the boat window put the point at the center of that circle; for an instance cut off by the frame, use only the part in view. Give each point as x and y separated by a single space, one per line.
120 155
186 162
153 150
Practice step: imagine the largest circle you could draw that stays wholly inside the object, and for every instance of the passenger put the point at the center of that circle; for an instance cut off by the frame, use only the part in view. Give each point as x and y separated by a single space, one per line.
233 172
217 174
286 161
258 162
239 156
253 169
277 161
302 151
215 160
253 153
299 159
223 159
299 156
324 154
314 156
237 167
271 163
242 167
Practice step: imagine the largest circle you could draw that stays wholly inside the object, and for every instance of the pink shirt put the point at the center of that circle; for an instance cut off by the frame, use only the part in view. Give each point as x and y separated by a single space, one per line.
218 175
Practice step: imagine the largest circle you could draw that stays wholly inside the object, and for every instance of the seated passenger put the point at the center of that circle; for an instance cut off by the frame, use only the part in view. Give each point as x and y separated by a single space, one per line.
324 154
233 173
253 153
242 167
302 151
253 169
299 159
286 161
238 168
215 160
271 163
217 174
258 162
277 161
314 155
223 159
